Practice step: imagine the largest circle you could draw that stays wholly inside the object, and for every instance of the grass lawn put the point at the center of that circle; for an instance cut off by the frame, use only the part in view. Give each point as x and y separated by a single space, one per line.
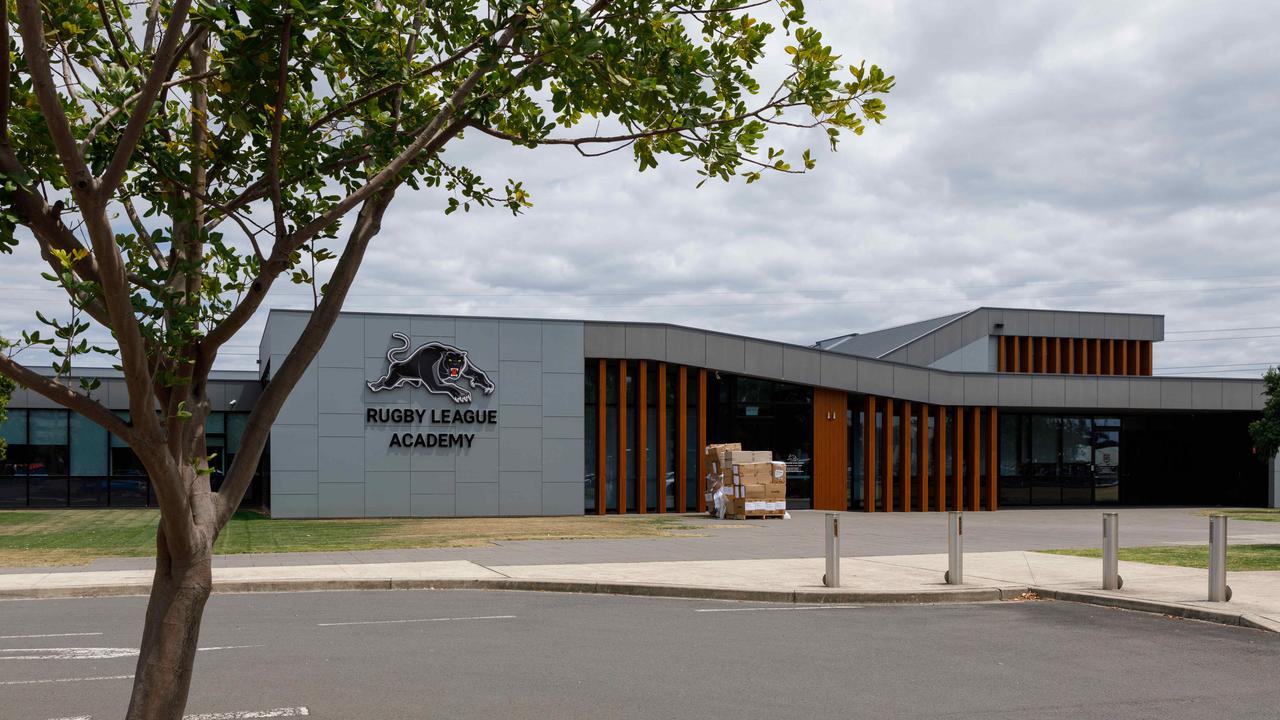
1261 514
1239 557
73 537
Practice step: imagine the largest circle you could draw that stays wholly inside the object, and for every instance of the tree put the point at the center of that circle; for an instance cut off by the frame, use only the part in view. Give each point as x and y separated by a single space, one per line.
6 392
174 160
1266 431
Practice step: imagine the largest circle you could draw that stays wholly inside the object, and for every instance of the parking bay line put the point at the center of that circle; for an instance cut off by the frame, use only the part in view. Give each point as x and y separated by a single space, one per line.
239 715
423 620
64 680
48 635
780 609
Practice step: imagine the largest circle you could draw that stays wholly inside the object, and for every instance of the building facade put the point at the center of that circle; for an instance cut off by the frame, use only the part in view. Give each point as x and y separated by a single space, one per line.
415 415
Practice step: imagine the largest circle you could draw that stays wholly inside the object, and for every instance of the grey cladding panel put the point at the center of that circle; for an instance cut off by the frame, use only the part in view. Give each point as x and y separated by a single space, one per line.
519 340
981 390
1092 325
801 366
762 359
1114 392
433 327
345 345
911 384
1143 327
480 339
1237 395
839 371
875 378
947 339
1048 392
562 347
1116 326
1081 392
1206 394
1143 392
897 356
726 353
1175 394
920 352
1066 324
946 389
1041 324
604 341
646 342
1017 322
686 347
1014 390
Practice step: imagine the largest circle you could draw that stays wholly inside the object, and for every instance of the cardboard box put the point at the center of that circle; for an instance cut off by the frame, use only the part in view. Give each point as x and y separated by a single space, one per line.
735 457
755 492
774 491
779 472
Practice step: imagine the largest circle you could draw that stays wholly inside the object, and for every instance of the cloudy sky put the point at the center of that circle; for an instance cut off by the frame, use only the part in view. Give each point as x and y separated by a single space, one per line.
1078 155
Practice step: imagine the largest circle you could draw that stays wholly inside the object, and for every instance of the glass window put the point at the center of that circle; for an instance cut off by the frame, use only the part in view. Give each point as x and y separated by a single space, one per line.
633 432
216 423
88 447
691 443
589 437
47 444
611 436
673 440
236 423
652 396
14 428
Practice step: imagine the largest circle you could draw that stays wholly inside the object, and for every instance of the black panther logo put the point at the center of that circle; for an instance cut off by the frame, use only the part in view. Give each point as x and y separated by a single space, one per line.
434 366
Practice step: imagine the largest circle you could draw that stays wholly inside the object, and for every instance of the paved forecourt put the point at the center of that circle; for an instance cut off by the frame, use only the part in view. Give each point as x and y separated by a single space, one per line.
862 535
465 654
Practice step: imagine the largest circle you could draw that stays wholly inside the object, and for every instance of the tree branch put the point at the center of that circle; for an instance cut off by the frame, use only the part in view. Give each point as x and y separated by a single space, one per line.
254 438
113 112
31 26
111 36
277 122
65 396
160 68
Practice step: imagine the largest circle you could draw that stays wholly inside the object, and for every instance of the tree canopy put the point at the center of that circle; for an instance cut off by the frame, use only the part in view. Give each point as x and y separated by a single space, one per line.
1266 431
172 160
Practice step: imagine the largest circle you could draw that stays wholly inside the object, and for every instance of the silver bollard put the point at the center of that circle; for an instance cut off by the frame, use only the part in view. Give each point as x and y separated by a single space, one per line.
955 549
1111 579
1219 590
832 578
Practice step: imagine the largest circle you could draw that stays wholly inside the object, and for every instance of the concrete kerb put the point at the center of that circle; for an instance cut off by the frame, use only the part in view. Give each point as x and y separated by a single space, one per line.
965 595
1189 612
688 592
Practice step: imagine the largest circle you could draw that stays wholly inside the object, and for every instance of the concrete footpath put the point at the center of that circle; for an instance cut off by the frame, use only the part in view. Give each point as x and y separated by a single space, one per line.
990 576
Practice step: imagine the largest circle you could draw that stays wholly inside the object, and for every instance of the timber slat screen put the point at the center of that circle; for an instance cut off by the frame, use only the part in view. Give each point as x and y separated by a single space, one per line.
673 462
960 474
1072 356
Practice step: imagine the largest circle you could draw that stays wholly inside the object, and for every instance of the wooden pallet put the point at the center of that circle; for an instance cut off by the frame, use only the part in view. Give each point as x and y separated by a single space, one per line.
770 516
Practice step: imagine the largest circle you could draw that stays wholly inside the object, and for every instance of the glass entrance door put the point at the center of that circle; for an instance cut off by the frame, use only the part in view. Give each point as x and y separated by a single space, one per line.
1106 460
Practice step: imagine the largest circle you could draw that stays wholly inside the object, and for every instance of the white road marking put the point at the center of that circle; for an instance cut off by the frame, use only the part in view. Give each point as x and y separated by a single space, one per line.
20 637
241 715
64 680
87 653
244 715
777 609
424 620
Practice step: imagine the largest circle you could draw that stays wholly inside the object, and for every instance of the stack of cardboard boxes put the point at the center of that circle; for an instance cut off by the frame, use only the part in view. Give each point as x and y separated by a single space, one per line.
745 483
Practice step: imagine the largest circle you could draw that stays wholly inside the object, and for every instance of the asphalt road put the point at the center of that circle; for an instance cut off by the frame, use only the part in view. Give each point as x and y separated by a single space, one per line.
471 654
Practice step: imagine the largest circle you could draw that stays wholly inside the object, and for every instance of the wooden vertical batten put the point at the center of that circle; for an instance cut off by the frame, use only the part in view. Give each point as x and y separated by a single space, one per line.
682 438
888 463
642 439
702 440
622 437
869 455
906 456
662 437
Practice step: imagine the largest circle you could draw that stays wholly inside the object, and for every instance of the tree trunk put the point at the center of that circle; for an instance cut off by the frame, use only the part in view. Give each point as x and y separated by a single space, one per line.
178 594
